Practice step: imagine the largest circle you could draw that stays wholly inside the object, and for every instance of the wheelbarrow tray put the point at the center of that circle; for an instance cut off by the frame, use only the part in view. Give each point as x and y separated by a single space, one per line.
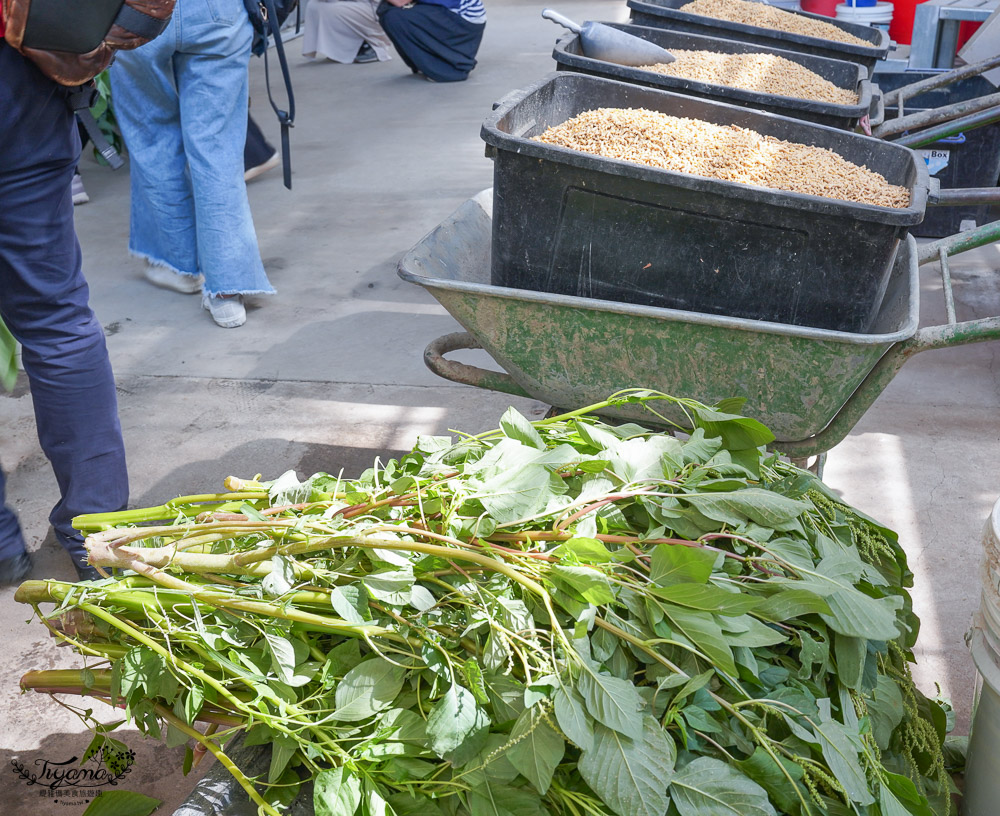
670 14
569 56
572 352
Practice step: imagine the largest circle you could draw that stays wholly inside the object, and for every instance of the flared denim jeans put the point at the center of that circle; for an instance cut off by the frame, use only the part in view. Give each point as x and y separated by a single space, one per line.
181 101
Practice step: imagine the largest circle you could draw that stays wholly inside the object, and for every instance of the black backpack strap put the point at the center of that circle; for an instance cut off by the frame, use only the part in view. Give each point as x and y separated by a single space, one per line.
81 99
285 118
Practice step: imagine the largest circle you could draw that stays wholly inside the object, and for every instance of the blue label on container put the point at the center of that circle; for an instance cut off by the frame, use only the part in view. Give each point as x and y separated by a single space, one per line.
936 160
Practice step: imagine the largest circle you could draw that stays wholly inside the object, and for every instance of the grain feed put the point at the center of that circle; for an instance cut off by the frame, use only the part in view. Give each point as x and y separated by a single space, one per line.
764 16
728 153
764 73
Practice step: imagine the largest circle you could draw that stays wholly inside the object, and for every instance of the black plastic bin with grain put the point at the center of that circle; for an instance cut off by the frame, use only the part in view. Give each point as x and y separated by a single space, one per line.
569 56
670 14
573 223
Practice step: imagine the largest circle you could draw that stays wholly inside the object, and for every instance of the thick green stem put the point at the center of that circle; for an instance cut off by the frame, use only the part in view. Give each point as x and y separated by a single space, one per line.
206 501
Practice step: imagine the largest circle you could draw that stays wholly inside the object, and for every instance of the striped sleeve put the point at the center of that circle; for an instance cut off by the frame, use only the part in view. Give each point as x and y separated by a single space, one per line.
472 11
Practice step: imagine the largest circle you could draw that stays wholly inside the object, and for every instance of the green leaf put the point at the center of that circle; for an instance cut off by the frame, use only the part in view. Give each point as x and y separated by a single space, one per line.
586 582
692 685
282 750
631 776
421 598
737 432
517 427
840 748
391 587
792 603
704 633
586 550
489 798
850 653
121 803
374 803
454 718
336 792
193 702
851 611
754 634
678 564
708 597
344 606
637 460
760 506
368 688
405 804
8 358
516 493
762 769
573 719
537 749
289 657
903 790
885 707
708 787
612 701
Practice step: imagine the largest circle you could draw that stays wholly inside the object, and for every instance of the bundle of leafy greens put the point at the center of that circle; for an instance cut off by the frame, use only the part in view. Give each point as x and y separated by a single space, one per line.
556 617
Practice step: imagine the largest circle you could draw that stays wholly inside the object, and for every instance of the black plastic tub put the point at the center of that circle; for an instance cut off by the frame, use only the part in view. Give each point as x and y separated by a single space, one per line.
668 14
968 159
569 56
573 223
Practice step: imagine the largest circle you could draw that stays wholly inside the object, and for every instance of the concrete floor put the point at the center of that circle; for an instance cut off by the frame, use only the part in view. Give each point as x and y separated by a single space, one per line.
328 373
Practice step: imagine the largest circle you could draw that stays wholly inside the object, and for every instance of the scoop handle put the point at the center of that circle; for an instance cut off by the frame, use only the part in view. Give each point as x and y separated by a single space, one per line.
565 22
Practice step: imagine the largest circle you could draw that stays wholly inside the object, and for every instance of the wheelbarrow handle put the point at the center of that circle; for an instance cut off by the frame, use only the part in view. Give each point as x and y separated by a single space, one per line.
947 78
954 333
467 374
959 196
565 22
960 115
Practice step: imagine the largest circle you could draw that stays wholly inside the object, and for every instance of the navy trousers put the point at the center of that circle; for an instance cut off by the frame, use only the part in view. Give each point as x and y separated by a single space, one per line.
44 302
432 40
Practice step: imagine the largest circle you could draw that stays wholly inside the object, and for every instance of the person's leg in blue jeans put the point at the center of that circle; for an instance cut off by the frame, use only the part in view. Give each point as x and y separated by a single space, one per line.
44 302
182 105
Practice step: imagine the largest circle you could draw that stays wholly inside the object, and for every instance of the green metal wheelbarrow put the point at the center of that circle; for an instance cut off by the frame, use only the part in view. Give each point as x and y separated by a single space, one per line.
809 386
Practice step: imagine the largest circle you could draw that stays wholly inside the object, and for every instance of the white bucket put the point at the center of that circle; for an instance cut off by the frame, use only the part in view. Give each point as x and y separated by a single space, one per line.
982 769
879 15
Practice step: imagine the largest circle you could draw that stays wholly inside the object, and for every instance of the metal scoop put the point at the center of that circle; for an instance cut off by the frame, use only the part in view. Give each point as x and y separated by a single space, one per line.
603 42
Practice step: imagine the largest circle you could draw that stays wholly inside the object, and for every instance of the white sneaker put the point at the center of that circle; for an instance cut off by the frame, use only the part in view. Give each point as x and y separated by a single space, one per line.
166 278
79 194
271 163
227 312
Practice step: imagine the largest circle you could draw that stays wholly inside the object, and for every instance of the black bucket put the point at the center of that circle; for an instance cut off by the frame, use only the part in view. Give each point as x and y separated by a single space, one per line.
569 56
573 223
669 14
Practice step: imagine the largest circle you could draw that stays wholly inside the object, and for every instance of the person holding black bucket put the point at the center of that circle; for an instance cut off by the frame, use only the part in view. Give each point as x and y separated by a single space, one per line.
437 39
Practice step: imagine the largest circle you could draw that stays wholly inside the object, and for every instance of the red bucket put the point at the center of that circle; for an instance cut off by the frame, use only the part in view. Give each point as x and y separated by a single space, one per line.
828 8
901 27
